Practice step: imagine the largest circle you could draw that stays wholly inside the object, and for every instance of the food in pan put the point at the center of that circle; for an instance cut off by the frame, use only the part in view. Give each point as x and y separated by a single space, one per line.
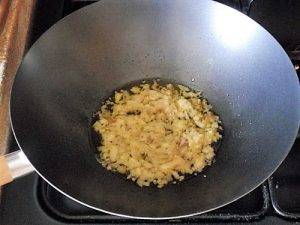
157 133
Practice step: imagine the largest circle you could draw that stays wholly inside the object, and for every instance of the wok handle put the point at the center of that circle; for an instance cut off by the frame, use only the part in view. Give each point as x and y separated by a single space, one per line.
14 165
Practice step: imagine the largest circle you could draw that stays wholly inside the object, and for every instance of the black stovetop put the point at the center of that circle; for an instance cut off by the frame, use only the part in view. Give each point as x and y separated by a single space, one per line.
30 200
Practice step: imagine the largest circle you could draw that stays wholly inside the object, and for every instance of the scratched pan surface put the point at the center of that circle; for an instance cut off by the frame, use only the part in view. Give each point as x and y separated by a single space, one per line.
241 69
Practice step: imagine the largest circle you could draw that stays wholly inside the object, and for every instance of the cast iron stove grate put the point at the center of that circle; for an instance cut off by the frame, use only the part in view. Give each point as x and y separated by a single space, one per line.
284 186
251 207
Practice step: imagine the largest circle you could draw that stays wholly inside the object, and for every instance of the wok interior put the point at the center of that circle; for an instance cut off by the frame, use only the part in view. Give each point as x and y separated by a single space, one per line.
81 60
96 138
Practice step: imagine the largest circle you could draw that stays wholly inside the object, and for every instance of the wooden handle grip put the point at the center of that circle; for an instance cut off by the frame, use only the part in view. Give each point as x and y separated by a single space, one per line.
5 175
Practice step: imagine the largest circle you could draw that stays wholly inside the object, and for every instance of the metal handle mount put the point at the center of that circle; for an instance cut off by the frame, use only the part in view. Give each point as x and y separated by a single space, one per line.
14 165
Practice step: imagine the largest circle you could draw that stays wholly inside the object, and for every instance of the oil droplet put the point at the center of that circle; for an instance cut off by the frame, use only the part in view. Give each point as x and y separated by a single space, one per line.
193 79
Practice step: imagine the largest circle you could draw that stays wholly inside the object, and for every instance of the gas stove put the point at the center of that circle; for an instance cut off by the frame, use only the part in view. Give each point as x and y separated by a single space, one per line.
30 200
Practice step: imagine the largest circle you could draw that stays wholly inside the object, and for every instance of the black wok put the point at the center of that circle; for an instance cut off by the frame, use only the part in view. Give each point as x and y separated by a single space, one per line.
241 69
